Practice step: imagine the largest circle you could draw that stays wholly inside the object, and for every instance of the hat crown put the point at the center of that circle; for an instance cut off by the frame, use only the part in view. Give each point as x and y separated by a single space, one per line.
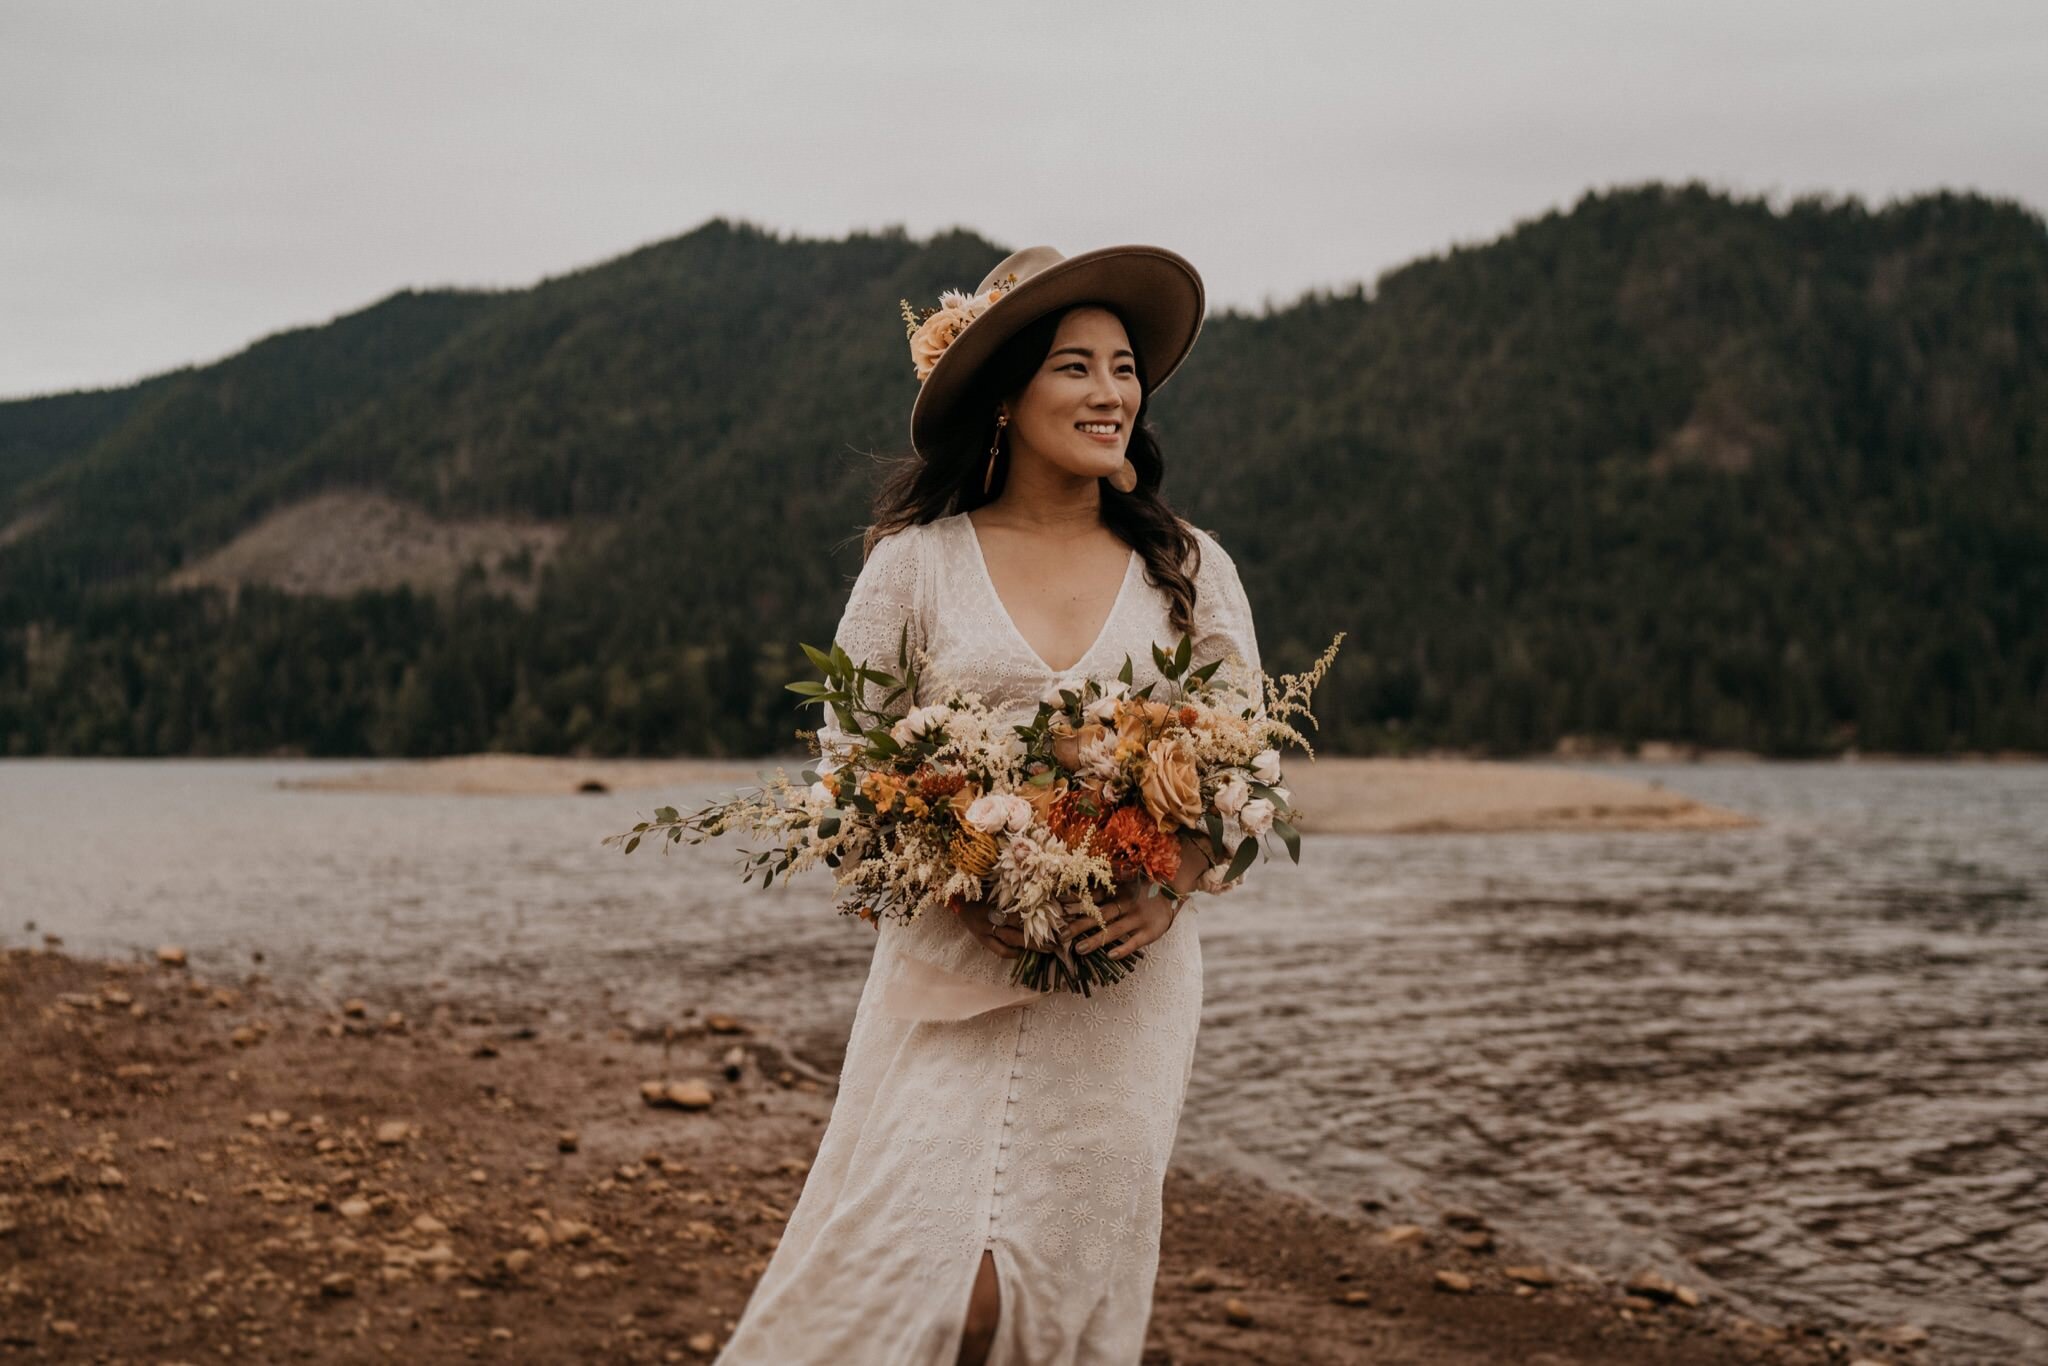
1024 264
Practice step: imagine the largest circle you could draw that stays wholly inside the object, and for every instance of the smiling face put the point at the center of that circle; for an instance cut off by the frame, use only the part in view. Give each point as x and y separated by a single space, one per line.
1076 411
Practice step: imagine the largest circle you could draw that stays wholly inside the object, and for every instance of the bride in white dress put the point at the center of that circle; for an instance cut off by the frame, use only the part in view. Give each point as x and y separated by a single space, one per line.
988 1188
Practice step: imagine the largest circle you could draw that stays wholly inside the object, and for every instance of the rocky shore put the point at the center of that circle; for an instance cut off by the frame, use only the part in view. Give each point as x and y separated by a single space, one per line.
196 1170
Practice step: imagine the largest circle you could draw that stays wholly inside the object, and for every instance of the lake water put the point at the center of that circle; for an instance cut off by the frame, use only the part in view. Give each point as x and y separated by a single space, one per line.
1802 1067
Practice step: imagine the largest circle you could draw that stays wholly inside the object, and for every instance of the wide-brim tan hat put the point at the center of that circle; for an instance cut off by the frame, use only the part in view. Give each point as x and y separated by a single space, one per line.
1157 292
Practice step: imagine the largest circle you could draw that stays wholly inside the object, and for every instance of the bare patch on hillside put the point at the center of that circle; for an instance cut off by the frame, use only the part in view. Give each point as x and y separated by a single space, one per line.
339 543
23 526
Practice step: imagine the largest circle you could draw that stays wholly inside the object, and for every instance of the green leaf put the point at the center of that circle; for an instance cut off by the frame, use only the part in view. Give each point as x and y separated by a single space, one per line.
828 826
632 844
817 657
809 689
1206 672
1163 660
1242 859
1180 656
1289 837
1125 673
665 813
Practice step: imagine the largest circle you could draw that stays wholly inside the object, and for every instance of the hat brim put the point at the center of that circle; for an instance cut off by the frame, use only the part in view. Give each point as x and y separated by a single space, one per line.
1158 293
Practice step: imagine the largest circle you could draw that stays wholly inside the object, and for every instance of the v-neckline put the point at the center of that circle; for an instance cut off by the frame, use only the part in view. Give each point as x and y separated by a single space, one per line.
989 580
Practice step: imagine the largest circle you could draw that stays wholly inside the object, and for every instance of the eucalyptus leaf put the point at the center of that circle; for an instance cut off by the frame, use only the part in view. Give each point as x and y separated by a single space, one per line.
1289 837
1242 859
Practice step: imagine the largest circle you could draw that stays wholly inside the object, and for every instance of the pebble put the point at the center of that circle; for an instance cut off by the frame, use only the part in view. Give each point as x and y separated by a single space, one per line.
355 1207
171 955
393 1132
1201 1282
1354 1298
338 1286
1651 1286
703 1344
723 1024
1404 1233
1454 1281
1529 1275
567 1141
355 1008
681 1095
1237 1314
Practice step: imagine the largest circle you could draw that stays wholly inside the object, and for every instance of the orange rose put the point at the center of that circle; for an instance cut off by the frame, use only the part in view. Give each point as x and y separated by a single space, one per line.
1171 787
1042 795
1067 748
937 333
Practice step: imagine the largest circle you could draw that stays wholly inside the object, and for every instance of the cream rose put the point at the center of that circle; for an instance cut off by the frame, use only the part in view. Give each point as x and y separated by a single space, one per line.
1266 766
1171 787
1232 795
999 811
923 723
1257 816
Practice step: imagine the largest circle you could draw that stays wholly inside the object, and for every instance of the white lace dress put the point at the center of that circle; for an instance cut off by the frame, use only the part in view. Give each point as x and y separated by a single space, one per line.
1038 1131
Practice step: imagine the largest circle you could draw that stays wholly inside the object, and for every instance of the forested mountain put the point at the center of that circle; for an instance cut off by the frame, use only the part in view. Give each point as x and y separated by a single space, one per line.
1665 465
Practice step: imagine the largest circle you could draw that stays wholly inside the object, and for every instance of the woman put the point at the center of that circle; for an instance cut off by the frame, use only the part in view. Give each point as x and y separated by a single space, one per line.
988 1188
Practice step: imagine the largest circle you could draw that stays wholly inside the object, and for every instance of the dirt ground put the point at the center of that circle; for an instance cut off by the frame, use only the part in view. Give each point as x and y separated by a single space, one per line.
195 1171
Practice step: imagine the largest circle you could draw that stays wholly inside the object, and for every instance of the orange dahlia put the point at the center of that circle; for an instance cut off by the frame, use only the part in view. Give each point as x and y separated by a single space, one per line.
1136 847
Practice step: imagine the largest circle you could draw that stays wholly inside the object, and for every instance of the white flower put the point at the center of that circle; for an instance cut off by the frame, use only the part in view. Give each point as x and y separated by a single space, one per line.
923 723
817 797
1266 766
1021 812
1257 816
1098 756
1211 879
993 811
1231 797
1051 696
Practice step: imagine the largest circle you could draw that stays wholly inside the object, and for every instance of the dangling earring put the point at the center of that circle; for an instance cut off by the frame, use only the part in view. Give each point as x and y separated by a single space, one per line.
1125 478
994 448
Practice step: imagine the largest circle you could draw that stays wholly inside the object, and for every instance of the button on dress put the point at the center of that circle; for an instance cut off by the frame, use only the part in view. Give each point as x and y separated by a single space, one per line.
1039 1131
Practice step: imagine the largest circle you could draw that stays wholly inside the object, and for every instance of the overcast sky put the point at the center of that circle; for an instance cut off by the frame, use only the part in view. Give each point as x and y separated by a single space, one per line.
181 177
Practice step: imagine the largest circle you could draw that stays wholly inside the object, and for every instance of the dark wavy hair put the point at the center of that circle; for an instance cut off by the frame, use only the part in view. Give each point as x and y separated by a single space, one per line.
915 490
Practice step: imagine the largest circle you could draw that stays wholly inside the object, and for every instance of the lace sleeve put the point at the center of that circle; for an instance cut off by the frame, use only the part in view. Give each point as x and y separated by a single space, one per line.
885 596
1223 622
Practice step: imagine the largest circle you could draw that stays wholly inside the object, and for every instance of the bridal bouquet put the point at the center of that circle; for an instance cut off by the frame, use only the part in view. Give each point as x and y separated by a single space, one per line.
953 803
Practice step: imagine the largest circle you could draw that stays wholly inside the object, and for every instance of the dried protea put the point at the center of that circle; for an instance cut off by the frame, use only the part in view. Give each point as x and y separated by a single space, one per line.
973 851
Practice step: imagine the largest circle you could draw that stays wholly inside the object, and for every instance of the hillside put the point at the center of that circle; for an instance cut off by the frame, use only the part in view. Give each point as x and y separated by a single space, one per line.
1666 465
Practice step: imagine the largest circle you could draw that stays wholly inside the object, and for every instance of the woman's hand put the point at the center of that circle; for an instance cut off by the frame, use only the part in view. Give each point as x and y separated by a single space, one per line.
1004 941
1007 941
1137 919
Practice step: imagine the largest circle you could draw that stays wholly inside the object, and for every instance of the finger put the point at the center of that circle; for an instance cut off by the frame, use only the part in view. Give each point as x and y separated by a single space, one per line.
1107 934
1137 941
1013 935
